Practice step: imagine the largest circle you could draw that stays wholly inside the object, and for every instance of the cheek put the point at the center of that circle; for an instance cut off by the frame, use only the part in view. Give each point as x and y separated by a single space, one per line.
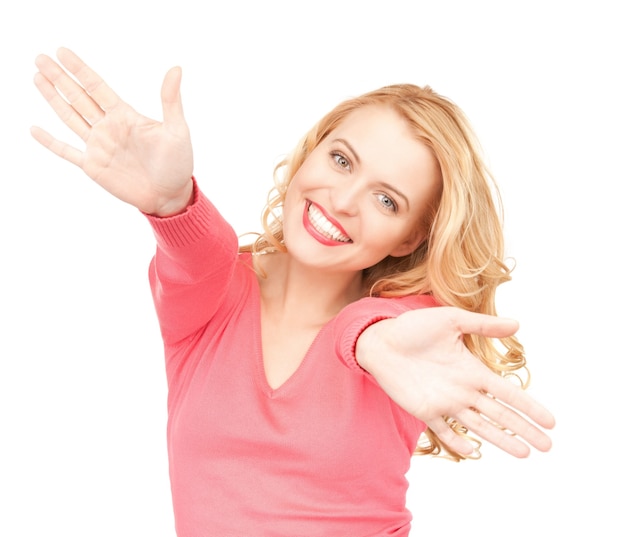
292 209
291 194
295 186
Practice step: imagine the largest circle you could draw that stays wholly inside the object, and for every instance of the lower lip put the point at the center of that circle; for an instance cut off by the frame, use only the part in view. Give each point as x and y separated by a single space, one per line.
323 239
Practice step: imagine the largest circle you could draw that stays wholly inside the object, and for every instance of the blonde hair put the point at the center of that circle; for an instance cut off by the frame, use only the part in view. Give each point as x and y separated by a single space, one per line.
461 263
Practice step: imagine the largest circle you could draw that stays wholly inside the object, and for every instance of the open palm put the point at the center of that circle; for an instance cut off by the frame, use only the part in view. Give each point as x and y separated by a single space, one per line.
420 361
141 161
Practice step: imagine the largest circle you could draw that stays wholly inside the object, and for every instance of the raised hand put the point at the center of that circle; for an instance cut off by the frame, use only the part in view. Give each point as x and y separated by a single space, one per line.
419 359
141 161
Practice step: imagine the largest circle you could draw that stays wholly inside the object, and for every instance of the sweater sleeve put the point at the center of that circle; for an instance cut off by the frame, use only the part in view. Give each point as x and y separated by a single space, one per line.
193 265
356 317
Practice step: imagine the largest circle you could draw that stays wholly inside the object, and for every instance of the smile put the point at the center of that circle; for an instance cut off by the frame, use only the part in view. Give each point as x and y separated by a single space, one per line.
323 226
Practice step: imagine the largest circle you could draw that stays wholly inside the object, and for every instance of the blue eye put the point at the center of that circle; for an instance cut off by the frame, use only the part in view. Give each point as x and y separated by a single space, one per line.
387 203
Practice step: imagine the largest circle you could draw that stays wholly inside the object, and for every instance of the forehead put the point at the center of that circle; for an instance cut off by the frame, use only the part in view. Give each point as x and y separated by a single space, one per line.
379 132
374 118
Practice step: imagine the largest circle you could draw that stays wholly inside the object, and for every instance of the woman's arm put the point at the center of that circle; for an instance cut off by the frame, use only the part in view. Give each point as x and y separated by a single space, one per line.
149 165
193 267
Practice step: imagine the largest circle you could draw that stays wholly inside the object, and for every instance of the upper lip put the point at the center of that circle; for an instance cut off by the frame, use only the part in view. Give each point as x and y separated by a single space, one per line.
332 220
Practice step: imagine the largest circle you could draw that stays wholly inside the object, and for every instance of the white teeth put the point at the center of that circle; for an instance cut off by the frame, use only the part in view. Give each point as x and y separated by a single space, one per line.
322 224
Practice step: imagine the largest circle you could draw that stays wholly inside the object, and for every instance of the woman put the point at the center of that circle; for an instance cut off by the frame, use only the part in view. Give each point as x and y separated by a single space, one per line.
303 369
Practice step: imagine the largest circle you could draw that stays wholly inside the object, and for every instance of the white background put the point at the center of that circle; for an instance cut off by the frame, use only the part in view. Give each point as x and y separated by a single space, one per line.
82 387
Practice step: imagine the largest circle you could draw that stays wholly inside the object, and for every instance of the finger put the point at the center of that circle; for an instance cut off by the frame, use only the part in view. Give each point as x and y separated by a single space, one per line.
469 322
515 397
68 115
451 439
170 97
63 150
493 434
73 93
99 91
502 416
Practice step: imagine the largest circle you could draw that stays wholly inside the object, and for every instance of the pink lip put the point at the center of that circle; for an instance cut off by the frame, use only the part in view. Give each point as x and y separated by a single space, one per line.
316 234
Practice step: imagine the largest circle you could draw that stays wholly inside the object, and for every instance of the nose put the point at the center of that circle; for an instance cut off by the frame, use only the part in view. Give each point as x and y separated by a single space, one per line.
345 196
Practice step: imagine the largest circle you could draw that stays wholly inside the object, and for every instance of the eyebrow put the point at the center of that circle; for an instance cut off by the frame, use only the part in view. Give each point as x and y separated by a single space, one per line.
382 183
354 153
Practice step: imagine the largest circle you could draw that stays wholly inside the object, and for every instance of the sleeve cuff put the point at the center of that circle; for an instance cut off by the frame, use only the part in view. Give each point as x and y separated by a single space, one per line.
187 227
346 345
354 319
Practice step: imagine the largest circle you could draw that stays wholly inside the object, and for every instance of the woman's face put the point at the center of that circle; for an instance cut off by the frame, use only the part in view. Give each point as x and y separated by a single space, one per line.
361 194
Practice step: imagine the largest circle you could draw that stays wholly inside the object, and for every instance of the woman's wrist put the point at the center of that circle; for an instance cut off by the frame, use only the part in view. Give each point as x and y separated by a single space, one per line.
178 204
369 345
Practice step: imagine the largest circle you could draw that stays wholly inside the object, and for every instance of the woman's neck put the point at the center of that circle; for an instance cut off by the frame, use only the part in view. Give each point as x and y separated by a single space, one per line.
290 288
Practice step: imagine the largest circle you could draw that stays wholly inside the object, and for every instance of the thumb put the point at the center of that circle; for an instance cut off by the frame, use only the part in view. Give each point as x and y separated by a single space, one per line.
485 325
170 96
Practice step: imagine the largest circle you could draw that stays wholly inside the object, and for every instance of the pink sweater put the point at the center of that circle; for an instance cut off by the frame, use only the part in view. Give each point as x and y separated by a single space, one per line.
325 454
